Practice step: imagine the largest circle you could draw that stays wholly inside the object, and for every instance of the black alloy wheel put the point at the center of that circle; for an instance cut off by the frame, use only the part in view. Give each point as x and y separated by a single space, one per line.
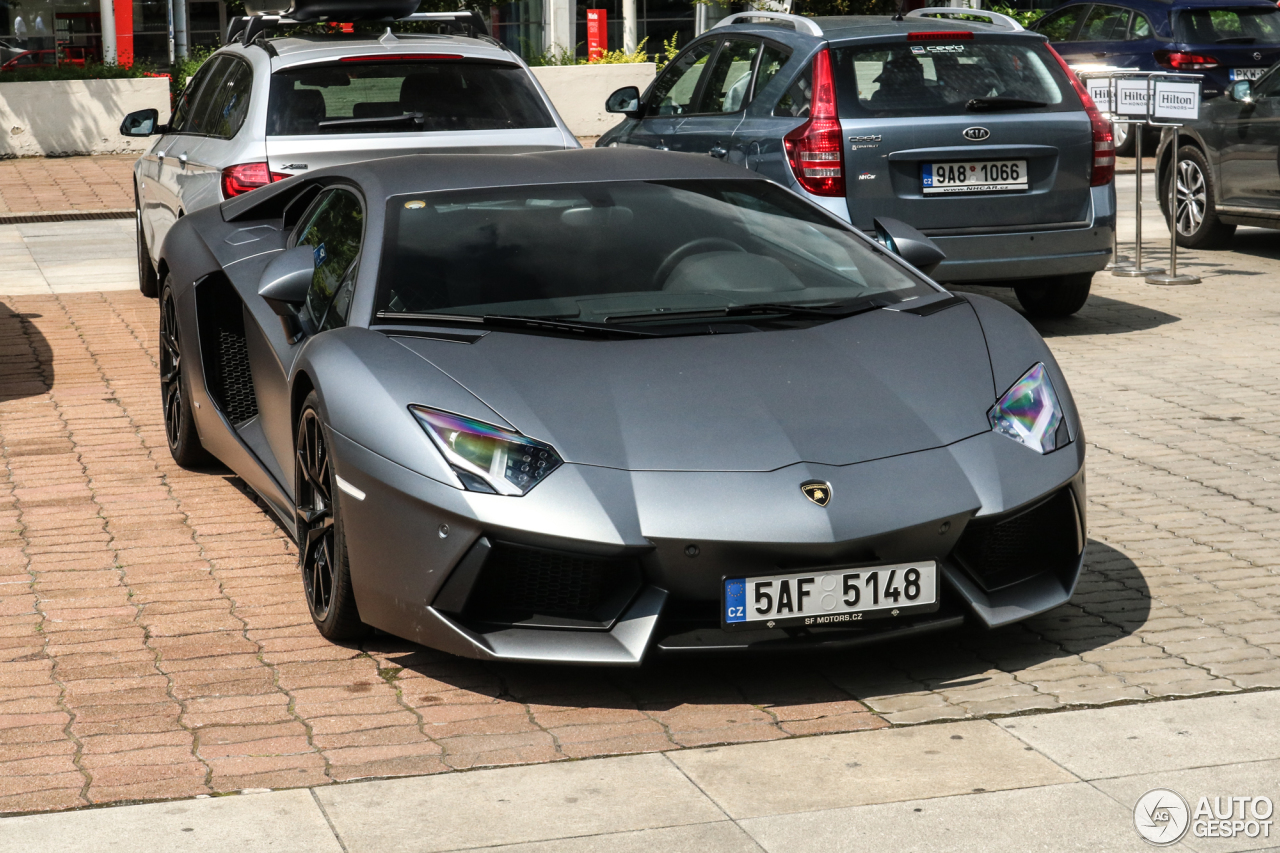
1197 214
148 282
322 551
179 425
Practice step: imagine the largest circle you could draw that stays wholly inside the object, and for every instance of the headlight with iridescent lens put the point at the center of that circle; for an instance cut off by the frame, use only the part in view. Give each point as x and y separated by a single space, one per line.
488 458
1029 412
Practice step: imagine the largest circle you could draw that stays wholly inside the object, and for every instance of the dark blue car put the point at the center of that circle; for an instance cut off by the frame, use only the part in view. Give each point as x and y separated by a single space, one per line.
1225 40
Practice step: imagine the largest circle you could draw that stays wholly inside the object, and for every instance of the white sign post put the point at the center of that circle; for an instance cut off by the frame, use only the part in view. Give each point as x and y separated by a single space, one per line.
1131 101
1174 100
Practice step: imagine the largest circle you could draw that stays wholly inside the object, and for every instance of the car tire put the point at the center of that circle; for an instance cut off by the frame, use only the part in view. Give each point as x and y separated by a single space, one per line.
1198 224
148 281
1058 296
322 543
1123 136
175 398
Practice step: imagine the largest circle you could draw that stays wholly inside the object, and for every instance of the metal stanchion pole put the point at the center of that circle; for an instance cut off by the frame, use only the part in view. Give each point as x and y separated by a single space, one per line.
1172 277
1118 261
1137 270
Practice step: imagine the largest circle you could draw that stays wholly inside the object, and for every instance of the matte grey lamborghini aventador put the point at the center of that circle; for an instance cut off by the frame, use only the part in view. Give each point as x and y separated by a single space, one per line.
578 406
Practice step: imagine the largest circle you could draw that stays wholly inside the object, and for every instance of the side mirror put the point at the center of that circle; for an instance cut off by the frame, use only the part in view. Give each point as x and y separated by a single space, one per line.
284 285
1242 91
626 101
909 244
140 123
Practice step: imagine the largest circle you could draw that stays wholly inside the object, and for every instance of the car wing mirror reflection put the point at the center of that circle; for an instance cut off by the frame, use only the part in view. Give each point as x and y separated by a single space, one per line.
284 286
141 123
626 101
909 244
1241 91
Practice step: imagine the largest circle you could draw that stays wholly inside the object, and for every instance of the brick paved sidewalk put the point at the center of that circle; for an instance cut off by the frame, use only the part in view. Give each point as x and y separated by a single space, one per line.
66 184
154 642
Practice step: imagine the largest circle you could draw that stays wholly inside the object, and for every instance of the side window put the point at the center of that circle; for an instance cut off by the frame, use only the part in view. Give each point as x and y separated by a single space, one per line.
1061 25
1105 23
772 59
674 91
730 78
230 103
1141 28
207 98
189 100
795 102
333 230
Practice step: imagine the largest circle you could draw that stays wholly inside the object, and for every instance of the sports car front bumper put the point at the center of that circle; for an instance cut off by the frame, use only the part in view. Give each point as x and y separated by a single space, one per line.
647 550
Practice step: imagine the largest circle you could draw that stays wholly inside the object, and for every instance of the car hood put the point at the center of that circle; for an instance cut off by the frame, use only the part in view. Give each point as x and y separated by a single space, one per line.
866 387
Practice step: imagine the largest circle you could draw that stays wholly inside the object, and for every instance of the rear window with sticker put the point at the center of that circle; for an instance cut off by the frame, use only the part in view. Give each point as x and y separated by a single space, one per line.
949 78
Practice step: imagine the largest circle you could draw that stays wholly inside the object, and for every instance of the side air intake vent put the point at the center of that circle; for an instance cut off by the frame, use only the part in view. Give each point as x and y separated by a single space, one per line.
224 351
1003 550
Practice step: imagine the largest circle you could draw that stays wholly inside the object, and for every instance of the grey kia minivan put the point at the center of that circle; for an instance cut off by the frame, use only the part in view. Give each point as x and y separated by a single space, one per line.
973 131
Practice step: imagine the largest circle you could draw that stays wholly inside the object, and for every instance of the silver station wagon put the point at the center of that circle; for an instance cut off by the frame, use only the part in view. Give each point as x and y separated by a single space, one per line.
263 109
974 132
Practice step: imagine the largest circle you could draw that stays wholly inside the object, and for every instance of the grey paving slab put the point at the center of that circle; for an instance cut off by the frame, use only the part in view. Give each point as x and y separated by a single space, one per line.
809 774
515 805
1175 735
276 821
722 837
1058 818
1252 779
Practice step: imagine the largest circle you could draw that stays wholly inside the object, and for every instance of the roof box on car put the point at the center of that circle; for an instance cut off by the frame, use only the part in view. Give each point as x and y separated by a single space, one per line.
333 10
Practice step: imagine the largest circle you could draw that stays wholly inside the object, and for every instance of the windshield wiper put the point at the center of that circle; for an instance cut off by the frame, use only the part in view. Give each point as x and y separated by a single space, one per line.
416 118
503 321
830 310
1237 40
987 104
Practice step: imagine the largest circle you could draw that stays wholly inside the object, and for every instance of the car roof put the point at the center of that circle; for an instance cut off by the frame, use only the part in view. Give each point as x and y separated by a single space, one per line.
848 27
426 173
294 49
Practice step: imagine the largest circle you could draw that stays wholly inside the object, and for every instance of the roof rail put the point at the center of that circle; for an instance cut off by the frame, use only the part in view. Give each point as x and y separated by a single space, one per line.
249 28
1002 21
801 23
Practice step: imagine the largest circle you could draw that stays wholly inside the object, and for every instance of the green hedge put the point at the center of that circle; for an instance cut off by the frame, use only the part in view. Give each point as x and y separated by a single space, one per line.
72 72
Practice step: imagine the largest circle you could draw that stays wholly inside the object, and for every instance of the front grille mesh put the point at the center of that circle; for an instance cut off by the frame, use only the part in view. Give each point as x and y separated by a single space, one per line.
1003 551
519 581
235 377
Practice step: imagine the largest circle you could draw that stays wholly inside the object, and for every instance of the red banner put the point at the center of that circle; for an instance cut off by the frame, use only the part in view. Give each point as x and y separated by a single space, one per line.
597 33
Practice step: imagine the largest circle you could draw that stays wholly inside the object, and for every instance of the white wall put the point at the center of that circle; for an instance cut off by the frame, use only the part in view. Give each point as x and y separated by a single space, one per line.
579 91
75 116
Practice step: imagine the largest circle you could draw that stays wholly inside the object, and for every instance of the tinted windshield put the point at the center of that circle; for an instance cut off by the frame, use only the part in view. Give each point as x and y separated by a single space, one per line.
940 78
400 97
1246 26
604 250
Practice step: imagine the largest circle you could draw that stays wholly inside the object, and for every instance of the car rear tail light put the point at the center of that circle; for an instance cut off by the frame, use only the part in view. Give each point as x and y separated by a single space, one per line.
399 57
815 149
238 180
1104 144
1179 61
941 36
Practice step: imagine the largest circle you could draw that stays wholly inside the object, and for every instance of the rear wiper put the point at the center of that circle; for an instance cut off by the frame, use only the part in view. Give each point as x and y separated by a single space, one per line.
831 310
1237 40
987 104
416 118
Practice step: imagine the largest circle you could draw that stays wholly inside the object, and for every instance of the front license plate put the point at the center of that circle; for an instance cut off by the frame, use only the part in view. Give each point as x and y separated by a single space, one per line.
831 596
979 176
1246 73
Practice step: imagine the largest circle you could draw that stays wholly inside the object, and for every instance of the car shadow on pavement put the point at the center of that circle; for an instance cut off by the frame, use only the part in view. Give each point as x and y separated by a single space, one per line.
26 359
969 671
1102 315
1257 242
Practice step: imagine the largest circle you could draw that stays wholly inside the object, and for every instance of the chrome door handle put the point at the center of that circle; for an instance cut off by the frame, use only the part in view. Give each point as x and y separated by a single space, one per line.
718 152
182 158
661 148
159 155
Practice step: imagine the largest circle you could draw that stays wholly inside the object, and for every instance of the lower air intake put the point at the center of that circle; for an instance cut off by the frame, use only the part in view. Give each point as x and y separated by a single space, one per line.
236 381
1003 550
540 587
